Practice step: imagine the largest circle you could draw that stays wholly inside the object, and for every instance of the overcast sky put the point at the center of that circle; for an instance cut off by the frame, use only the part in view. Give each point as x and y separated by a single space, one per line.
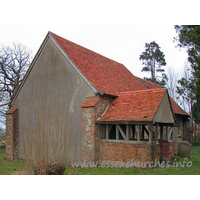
122 43
113 28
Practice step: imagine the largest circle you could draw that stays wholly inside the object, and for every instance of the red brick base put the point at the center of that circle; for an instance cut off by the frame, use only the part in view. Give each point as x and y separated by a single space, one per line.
11 146
126 151
167 150
94 148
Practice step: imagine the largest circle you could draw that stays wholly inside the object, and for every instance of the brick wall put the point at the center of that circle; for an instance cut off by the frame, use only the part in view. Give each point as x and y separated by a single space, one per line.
121 151
91 132
11 146
96 149
88 134
167 150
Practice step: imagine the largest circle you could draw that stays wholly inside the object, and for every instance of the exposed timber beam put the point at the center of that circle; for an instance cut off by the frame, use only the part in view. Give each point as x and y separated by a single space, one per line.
145 129
161 132
138 132
107 131
170 133
167 127
122 132
117 132
127 131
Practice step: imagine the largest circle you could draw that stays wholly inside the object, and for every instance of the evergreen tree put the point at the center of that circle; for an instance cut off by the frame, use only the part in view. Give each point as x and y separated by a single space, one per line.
196 114
153 60
189 38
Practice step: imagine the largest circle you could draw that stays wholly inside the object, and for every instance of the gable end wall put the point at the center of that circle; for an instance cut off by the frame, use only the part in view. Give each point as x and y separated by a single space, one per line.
50 106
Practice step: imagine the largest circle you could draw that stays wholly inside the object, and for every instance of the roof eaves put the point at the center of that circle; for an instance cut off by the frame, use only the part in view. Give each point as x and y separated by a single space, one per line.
111 95
89 103
80 73
183 113
11 110
123 122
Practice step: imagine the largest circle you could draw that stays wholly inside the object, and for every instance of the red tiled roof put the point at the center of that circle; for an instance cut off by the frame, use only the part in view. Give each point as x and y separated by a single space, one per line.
89 103
106 75
11 110
177 109
134 106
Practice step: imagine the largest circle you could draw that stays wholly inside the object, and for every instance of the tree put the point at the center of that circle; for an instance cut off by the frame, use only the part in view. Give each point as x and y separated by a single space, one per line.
14 62
153 61
171 84
189 38
196 114
184 90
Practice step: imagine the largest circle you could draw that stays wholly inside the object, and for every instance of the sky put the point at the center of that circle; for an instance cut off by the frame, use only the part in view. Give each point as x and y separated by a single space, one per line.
115 29
122 43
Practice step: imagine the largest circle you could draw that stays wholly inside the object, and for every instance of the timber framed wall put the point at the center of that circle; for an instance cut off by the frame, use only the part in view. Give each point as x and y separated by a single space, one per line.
98 146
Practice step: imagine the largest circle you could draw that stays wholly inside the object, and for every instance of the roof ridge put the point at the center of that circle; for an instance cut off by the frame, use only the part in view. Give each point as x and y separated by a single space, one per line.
145 81
147 90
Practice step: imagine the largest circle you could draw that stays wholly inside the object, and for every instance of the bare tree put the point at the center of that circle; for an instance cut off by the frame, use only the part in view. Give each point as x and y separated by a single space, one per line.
172 82
14 62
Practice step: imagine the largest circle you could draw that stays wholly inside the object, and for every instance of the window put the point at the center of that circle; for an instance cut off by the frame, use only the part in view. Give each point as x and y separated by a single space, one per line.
126 132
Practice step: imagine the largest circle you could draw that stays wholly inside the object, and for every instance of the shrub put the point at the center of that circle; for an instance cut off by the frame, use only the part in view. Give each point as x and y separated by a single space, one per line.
49 169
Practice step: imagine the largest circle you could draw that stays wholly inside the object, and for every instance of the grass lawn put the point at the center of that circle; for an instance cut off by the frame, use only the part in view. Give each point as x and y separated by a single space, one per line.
20 167
8 167
193 170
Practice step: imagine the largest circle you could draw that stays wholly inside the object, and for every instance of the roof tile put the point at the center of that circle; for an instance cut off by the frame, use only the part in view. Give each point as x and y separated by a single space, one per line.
134 106
11 110
106 75
177 109
90 103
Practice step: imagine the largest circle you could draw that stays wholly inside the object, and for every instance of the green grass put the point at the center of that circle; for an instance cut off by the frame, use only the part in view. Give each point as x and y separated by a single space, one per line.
8 167
193 170
20 167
